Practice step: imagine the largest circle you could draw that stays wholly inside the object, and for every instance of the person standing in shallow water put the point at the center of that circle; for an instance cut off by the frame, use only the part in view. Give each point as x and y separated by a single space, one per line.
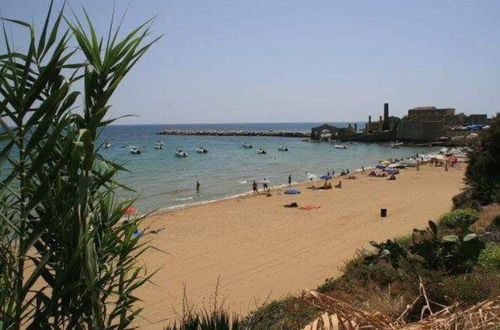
197 186
289 179
255 188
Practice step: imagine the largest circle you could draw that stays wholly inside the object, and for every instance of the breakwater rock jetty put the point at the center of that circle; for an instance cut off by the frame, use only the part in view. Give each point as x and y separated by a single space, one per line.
234 133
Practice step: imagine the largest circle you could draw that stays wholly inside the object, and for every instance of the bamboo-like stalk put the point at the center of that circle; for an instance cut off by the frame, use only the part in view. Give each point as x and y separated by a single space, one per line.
66 261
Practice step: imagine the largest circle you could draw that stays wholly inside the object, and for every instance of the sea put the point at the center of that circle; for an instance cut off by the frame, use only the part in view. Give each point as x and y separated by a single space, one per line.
163 182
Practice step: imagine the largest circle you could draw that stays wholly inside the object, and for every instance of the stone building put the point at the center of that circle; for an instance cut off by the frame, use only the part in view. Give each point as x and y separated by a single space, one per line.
430 114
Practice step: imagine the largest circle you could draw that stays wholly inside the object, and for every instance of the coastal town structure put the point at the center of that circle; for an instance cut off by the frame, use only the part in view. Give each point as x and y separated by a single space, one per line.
421 124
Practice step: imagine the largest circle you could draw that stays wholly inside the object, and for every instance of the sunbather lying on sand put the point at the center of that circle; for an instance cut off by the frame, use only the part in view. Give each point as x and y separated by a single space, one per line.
326 186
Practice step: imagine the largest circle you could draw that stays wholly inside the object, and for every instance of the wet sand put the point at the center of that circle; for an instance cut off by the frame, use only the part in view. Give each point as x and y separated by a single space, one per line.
260 250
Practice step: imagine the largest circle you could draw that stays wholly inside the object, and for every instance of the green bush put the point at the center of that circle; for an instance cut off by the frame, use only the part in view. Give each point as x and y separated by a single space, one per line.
489 258
460 219
483 171
464 200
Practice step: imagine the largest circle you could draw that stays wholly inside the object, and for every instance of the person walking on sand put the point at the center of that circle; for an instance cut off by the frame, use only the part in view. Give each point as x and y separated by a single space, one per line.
362 169
264 184
289 179
255 188
197 187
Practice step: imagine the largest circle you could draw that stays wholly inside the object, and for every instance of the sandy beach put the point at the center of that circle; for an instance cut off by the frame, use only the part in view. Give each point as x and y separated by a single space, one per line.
260 249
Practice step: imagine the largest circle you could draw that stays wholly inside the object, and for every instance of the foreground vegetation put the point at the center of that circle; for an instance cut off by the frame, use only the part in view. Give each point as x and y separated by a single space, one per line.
445 275
66 262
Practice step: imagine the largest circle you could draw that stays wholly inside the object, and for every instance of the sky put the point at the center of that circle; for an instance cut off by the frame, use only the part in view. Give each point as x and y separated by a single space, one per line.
300 61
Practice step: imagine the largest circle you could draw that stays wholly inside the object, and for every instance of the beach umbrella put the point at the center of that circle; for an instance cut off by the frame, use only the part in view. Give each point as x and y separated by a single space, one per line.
130 211
380 167
292 191
325 177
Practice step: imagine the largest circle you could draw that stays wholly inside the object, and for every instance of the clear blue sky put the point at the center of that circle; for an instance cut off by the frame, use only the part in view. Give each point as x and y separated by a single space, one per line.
285 61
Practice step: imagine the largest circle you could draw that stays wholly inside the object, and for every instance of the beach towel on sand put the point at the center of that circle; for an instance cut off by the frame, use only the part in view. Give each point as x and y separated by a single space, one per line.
310 207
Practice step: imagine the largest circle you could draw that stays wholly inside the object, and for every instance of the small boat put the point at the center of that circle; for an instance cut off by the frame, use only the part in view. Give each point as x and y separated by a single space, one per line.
159 145
282 148
247 146
395 145
340 146
135 151
107 145
181 153
201 150
261 151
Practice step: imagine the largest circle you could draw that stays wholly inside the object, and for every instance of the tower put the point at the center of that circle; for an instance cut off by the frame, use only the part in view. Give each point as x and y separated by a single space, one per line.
386 117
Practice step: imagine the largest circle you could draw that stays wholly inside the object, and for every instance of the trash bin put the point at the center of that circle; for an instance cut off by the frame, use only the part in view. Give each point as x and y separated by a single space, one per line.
383 213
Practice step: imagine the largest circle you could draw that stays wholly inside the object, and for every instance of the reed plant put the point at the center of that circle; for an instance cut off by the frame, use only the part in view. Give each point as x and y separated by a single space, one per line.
66 259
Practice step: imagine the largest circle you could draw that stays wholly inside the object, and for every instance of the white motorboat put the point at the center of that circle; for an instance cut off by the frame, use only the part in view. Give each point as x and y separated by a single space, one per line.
159 145
261 151
107 145
396 145
247 146
135 151
340 146
181 153
282 148
201 150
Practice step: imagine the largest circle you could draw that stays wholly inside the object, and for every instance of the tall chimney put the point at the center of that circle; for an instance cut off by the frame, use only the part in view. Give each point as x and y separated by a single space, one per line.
369 123
386 116
355 127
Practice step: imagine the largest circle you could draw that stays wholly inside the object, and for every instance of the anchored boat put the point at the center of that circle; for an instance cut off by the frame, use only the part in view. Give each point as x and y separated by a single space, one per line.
181 153
282 148
201 150
135 151
261 151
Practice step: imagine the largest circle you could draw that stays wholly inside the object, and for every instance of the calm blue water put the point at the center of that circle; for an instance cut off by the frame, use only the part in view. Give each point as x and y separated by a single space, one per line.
162 180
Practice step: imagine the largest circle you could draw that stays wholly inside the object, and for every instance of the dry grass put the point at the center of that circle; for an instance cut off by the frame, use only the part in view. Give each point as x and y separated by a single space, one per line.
340 315
486 217
484 315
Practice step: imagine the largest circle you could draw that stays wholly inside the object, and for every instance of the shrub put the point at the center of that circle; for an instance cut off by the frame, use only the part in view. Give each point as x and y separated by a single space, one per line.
483 171
288 313
467 288
460 219
489 258
464 200
66 263
404 240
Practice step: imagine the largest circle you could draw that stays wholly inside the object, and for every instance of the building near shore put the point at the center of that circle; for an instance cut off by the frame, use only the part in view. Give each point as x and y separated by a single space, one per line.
421 124
430 114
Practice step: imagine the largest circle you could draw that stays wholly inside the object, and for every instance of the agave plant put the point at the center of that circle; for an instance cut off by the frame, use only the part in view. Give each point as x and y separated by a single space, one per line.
65 259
